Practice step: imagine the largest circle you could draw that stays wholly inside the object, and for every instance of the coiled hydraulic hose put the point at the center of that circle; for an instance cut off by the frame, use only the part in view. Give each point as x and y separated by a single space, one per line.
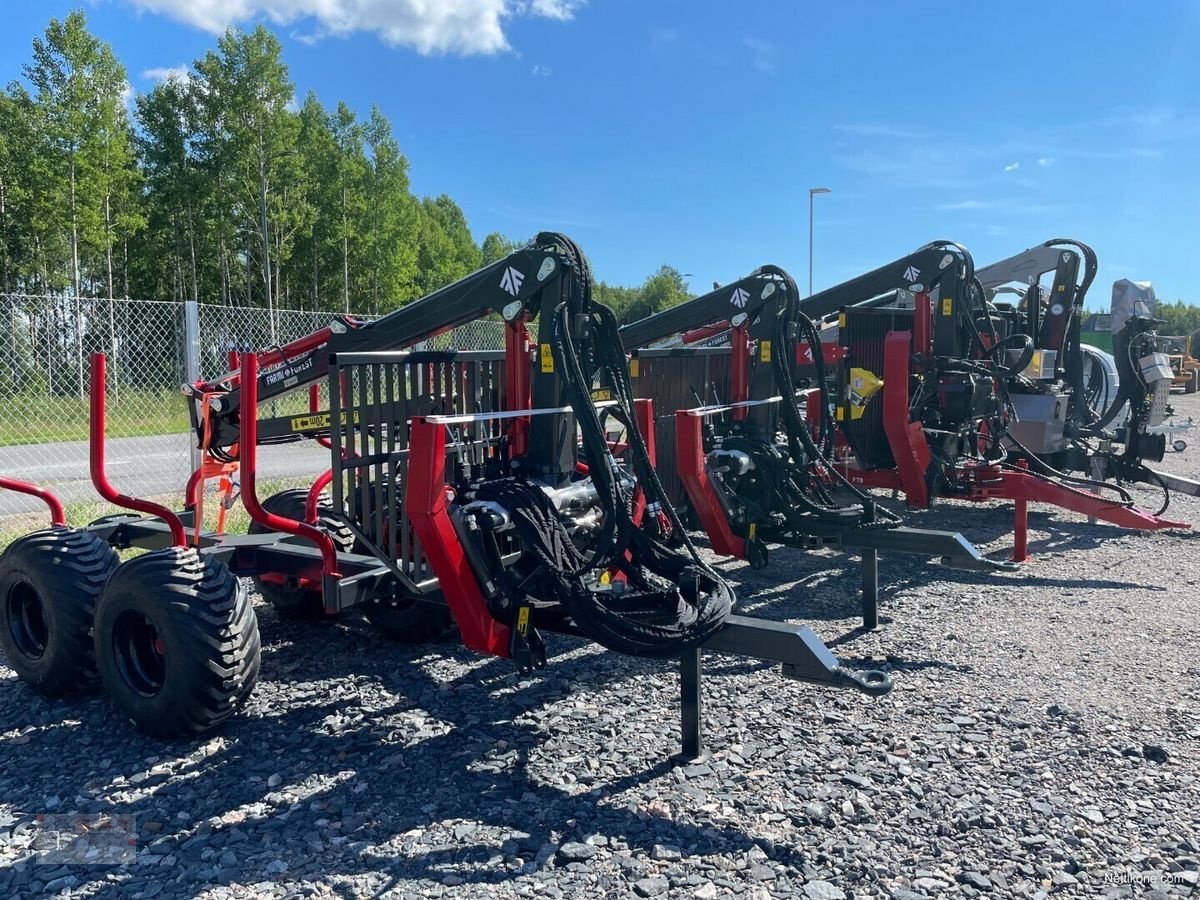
667 602
791 323
674 602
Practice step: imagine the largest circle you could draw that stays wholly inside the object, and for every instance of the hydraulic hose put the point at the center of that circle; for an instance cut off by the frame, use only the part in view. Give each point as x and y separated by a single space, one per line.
791 323
1027 351
671 602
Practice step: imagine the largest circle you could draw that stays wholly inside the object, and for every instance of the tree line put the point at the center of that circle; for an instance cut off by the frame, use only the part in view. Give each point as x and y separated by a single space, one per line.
216 185
1178 318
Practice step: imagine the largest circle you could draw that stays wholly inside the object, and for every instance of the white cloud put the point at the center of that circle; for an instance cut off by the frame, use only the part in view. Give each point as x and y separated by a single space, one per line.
1012 167
555 9
661 37
463 27
921 164
762 53
128 95
162 73
1007 206
1045 161
879 129
542 69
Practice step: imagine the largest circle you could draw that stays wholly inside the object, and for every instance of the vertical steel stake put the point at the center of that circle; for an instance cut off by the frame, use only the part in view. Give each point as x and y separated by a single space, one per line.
691 706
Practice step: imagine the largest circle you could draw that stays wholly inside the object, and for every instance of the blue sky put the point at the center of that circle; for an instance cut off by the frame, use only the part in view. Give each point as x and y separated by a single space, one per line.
689 132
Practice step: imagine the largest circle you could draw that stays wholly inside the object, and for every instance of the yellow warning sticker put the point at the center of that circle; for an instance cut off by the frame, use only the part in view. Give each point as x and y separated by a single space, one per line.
633 368
841 320
523 620
601 394
753 530
547 358
841 413
317 421
947 306
863 385
764 351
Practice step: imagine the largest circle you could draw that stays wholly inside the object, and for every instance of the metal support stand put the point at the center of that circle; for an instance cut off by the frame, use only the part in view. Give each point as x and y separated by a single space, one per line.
1021 525
191 362
870 589
870 575
691 707
1099 473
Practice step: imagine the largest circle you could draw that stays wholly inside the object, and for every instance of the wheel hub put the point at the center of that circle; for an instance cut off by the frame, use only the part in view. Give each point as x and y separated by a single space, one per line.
27 620
139 653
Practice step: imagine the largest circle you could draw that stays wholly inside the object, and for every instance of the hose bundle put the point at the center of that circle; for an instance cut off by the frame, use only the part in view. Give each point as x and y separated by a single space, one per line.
664 606
667 602
810 495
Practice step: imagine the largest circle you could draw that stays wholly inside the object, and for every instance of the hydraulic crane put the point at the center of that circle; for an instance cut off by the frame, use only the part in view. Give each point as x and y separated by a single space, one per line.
924 385
1057 420
757 466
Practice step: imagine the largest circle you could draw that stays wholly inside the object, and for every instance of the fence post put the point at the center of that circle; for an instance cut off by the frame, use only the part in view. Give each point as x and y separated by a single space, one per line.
191 359
79 354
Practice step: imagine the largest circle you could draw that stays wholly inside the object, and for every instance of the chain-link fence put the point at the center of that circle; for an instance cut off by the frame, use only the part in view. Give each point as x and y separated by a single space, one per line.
44 386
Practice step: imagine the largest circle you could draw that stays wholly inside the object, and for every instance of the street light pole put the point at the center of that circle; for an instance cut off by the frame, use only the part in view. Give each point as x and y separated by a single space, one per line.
812 192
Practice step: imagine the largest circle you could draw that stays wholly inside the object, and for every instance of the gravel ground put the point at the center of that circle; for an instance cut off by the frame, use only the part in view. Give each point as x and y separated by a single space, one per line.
1041 741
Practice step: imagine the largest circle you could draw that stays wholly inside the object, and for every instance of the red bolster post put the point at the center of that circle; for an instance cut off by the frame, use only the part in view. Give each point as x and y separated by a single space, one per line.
643 414
313 500
96 437
1021 523
739 372
248 443
689 439
907 439
429 512
57 516
517 383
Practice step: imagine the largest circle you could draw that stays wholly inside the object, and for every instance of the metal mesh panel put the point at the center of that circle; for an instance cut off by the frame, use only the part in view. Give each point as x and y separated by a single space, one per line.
679 379
44 375
44 391
381 393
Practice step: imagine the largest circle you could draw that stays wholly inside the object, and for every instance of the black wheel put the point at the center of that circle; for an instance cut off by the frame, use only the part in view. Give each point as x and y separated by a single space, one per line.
176 642
407 620
49 583
399 618
298 598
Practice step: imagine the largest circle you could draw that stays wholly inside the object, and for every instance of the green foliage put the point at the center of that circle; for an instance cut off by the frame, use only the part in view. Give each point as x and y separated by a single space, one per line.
79 181
392 228
495 247
172 205
662 290
1180 318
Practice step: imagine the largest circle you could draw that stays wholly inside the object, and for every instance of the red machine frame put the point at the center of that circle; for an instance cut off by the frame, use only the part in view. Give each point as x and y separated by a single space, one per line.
983 482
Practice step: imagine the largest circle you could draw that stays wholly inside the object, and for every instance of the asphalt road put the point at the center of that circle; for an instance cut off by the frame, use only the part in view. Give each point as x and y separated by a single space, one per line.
143 466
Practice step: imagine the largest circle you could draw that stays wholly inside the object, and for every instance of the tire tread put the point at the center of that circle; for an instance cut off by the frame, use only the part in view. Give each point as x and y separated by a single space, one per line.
212 612
69 567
